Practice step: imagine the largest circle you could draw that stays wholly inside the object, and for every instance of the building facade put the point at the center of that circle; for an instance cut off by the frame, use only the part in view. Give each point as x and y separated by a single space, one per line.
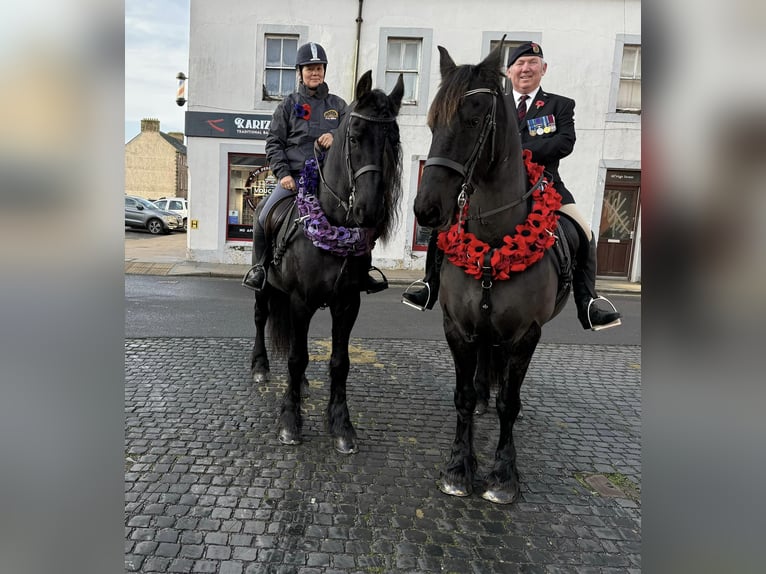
155 163
240 63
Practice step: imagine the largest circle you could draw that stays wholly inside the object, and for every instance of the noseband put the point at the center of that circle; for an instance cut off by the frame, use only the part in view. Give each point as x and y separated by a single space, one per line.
488 128
353 175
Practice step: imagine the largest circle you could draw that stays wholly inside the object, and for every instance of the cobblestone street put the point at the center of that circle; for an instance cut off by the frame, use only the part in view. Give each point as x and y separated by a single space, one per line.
209 488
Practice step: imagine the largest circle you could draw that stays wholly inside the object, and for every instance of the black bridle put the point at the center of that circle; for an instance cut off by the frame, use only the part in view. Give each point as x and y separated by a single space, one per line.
489 127
352 175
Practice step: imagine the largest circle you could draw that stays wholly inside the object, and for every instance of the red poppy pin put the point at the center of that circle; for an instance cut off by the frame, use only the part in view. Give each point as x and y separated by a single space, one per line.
539 104
303 111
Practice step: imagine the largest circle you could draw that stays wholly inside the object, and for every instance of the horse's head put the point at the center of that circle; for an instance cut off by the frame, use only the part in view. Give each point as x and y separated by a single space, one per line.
469 138
366 162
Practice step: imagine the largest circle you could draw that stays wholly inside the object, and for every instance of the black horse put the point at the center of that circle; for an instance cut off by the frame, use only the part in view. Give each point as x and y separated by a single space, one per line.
344 206
497 214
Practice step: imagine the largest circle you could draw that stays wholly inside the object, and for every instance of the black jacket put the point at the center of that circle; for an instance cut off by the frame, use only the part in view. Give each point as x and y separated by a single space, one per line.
549 148
291 137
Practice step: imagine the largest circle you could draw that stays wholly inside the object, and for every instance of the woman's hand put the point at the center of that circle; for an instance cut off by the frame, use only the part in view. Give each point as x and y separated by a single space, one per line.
325 140
287 182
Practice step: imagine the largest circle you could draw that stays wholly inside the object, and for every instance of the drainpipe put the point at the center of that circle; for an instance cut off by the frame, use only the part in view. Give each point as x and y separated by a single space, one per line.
356 48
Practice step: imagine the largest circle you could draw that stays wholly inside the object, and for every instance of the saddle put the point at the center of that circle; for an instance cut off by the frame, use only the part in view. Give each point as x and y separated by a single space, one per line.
281 225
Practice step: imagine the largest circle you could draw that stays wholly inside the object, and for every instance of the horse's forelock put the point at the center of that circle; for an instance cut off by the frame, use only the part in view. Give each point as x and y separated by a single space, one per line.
447 99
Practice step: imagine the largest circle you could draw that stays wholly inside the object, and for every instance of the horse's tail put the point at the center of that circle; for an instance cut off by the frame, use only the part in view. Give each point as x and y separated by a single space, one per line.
279 323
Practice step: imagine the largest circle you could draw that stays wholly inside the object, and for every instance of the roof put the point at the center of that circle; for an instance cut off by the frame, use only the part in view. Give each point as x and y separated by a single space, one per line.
174 142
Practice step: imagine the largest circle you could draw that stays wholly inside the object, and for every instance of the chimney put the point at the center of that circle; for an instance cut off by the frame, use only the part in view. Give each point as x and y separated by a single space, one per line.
177 135
150 125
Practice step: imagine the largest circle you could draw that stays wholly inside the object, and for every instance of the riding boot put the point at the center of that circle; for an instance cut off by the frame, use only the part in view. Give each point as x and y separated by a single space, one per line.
425 297
585 296
255 278
369 283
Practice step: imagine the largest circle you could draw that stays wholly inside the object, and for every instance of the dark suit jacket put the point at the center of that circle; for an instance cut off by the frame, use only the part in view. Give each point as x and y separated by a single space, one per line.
549 148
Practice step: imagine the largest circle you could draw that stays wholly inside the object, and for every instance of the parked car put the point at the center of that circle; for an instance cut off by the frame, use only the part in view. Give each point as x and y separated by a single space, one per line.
142 213
177 205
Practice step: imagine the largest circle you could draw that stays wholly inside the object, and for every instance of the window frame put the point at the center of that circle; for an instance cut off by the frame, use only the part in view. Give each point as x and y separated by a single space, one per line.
283 69
262 31
425 37
613 115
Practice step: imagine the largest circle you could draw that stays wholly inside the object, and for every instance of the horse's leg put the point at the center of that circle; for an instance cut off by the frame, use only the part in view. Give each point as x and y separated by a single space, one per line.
344 314
457 477
259 359
503 479
290 419
482 380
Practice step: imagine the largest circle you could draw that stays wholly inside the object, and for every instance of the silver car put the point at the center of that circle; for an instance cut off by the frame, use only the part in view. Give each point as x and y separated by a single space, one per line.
177 205
143 214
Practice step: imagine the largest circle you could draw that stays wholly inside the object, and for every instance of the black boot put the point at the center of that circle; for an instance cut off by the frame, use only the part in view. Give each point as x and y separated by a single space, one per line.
255 278
425 297
369 283
584 288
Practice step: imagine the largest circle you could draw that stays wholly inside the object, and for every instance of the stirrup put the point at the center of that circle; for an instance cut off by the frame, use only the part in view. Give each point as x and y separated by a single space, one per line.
382 284
244 278
614 323
410 303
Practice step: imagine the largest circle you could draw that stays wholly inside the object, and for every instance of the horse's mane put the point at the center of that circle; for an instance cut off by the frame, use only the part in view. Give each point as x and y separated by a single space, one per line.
454 84
376 104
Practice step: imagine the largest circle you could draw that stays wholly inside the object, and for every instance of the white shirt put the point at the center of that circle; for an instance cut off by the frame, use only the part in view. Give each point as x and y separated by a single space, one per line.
517 95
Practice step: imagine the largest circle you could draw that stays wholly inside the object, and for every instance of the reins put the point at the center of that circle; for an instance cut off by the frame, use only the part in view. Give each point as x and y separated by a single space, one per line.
352 175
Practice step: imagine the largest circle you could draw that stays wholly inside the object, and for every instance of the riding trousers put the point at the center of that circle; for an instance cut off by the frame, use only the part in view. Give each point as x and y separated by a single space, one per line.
278 193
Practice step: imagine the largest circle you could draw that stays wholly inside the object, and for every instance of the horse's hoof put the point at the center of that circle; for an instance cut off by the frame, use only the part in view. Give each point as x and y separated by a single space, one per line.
260 377
501 496
453 489
345 445
481 408
287 437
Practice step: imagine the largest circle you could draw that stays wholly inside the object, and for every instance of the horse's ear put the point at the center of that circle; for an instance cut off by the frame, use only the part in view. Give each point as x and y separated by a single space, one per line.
446 63
396 95
494 59
364 85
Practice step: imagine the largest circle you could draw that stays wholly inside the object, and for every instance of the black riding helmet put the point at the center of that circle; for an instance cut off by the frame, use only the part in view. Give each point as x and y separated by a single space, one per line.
311 53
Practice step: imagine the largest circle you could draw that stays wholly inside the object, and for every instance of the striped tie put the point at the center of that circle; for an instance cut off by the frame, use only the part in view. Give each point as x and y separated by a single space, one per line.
522 109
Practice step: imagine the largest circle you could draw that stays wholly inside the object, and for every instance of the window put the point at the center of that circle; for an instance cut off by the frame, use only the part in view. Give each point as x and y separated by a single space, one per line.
250 180
404 58
406 51
625 89
279 66
629 94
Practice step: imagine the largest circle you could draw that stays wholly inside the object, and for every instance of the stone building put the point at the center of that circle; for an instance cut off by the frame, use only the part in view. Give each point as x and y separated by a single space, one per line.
155 163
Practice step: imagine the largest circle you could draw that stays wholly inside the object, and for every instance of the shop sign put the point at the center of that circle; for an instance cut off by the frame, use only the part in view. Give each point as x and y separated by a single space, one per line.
236 126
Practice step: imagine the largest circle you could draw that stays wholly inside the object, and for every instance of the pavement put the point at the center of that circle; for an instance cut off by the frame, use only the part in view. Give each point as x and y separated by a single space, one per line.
166 255
210 489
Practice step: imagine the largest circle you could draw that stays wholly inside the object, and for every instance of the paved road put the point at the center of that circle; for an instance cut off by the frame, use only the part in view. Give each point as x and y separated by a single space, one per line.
161 306
210 489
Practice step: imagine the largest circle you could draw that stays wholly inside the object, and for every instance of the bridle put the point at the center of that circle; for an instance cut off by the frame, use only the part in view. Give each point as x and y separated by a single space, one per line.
352 175
489 127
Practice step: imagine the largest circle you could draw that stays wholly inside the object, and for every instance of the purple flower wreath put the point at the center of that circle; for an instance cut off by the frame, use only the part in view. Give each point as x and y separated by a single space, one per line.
339 240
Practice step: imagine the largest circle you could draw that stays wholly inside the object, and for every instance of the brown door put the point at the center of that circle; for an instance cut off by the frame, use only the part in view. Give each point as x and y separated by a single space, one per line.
617 231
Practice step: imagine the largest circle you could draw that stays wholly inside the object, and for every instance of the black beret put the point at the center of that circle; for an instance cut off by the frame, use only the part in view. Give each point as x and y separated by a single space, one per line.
526 49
